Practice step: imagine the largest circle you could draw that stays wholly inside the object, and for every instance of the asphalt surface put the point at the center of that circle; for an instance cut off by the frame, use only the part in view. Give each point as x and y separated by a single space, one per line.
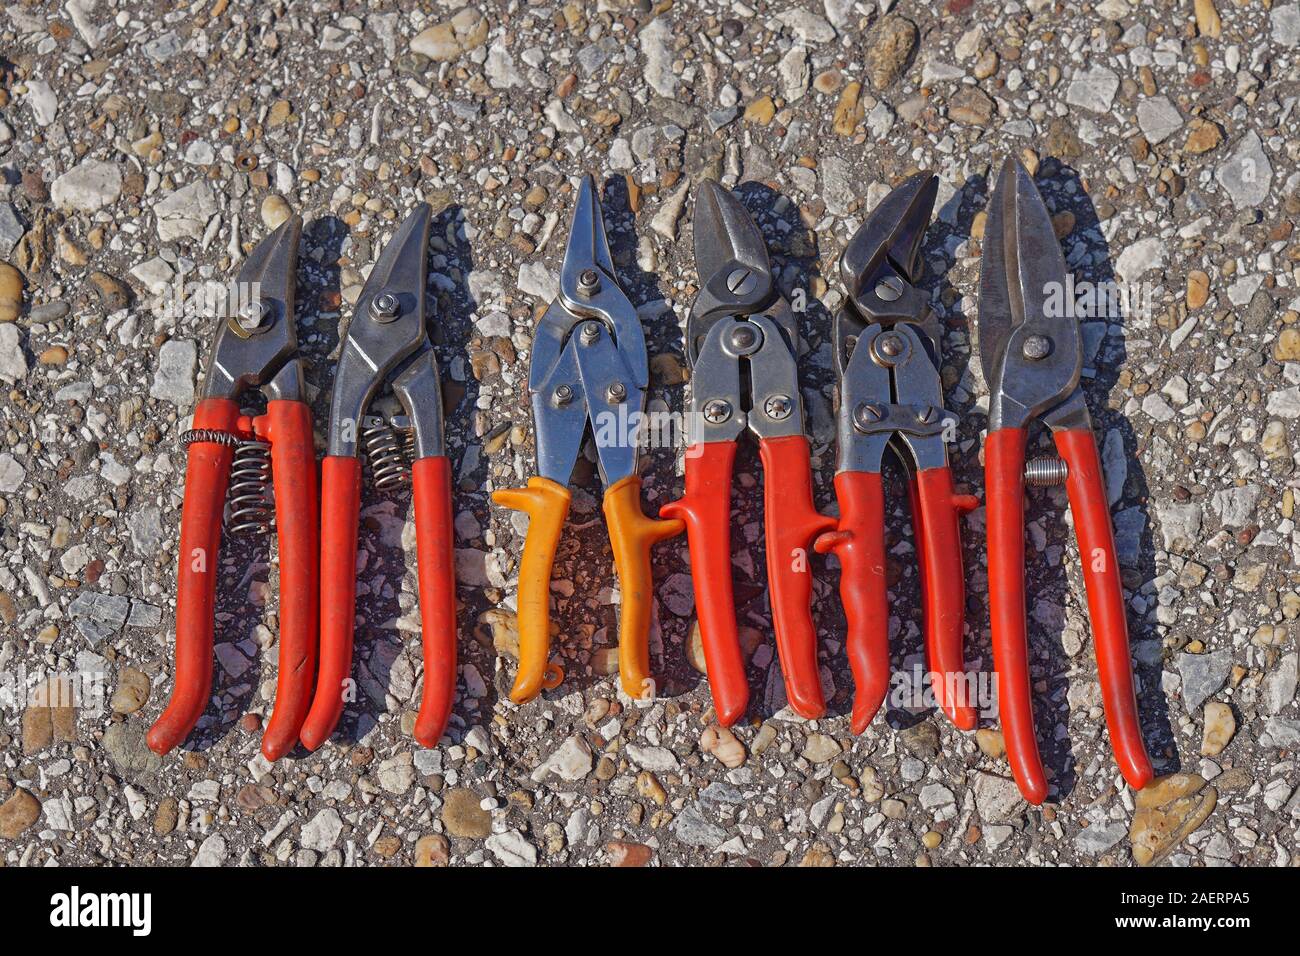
143 151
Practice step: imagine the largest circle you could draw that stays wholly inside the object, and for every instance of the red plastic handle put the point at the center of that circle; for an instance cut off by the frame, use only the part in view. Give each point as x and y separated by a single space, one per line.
1101 576
340 514
287 426
936 516
706 509
434 542
207 472
859 543
791 522
1004 467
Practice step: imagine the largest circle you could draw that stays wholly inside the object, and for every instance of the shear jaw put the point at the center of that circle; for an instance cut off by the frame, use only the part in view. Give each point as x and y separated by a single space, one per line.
589 359
1033 358
255 345
387 328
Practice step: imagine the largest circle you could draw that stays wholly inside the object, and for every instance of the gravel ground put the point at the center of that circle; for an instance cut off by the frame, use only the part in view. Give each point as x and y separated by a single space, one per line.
140 148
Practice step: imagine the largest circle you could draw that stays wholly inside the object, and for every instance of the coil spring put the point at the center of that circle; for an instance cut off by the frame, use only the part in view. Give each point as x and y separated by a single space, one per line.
250 508
387 452
1046 472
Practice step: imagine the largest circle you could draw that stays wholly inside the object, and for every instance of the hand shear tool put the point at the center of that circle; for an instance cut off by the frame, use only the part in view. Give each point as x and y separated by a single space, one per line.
231 454
1032 357
887 355
387 350
588 365
741 343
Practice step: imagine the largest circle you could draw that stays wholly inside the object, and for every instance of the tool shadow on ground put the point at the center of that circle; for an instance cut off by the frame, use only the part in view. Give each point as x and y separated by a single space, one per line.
1088 257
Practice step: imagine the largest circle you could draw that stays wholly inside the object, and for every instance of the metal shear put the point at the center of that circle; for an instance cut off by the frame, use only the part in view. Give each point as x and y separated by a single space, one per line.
387 348
588 365
255 347
742 343
1032 358
890 396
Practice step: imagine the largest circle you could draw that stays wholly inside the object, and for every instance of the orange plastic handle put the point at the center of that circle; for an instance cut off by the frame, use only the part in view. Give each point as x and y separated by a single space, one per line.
1101 577
936 516
859 543
434 542
340 514
1004 467
287 426
791 522
631 535
207 472
705 507
546 503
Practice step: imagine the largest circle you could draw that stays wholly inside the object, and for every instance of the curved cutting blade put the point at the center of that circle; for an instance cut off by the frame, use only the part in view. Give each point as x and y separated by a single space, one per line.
1023 292
257 339
730 259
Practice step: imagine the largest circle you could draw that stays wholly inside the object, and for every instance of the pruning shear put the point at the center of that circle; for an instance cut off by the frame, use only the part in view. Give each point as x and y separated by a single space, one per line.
230 460
1032 357
388 400
890 396
588 365
741 343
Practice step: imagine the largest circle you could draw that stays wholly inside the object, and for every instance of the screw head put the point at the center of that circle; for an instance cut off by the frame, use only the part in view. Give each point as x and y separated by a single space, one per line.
616 392
563 394
717 411
1036 347
888 346
740 281
254 315
385 307
890 289
589 333
589 282
866 415
778 407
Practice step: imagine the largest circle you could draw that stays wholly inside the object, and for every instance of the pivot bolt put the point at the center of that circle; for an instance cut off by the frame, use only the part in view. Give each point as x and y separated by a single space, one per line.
866 415
590 333
778 407
254 315
717 411
616 393
1036 347
890 289
589 282
563 394
385 307
740 281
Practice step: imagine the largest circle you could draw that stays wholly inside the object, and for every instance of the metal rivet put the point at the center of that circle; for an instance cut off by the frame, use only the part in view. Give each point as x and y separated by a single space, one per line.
717 411
563 394
778 407
866 415
589 333
1036 347
890 289
616 392
589 282
254 315
385 307
743 337
740 281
